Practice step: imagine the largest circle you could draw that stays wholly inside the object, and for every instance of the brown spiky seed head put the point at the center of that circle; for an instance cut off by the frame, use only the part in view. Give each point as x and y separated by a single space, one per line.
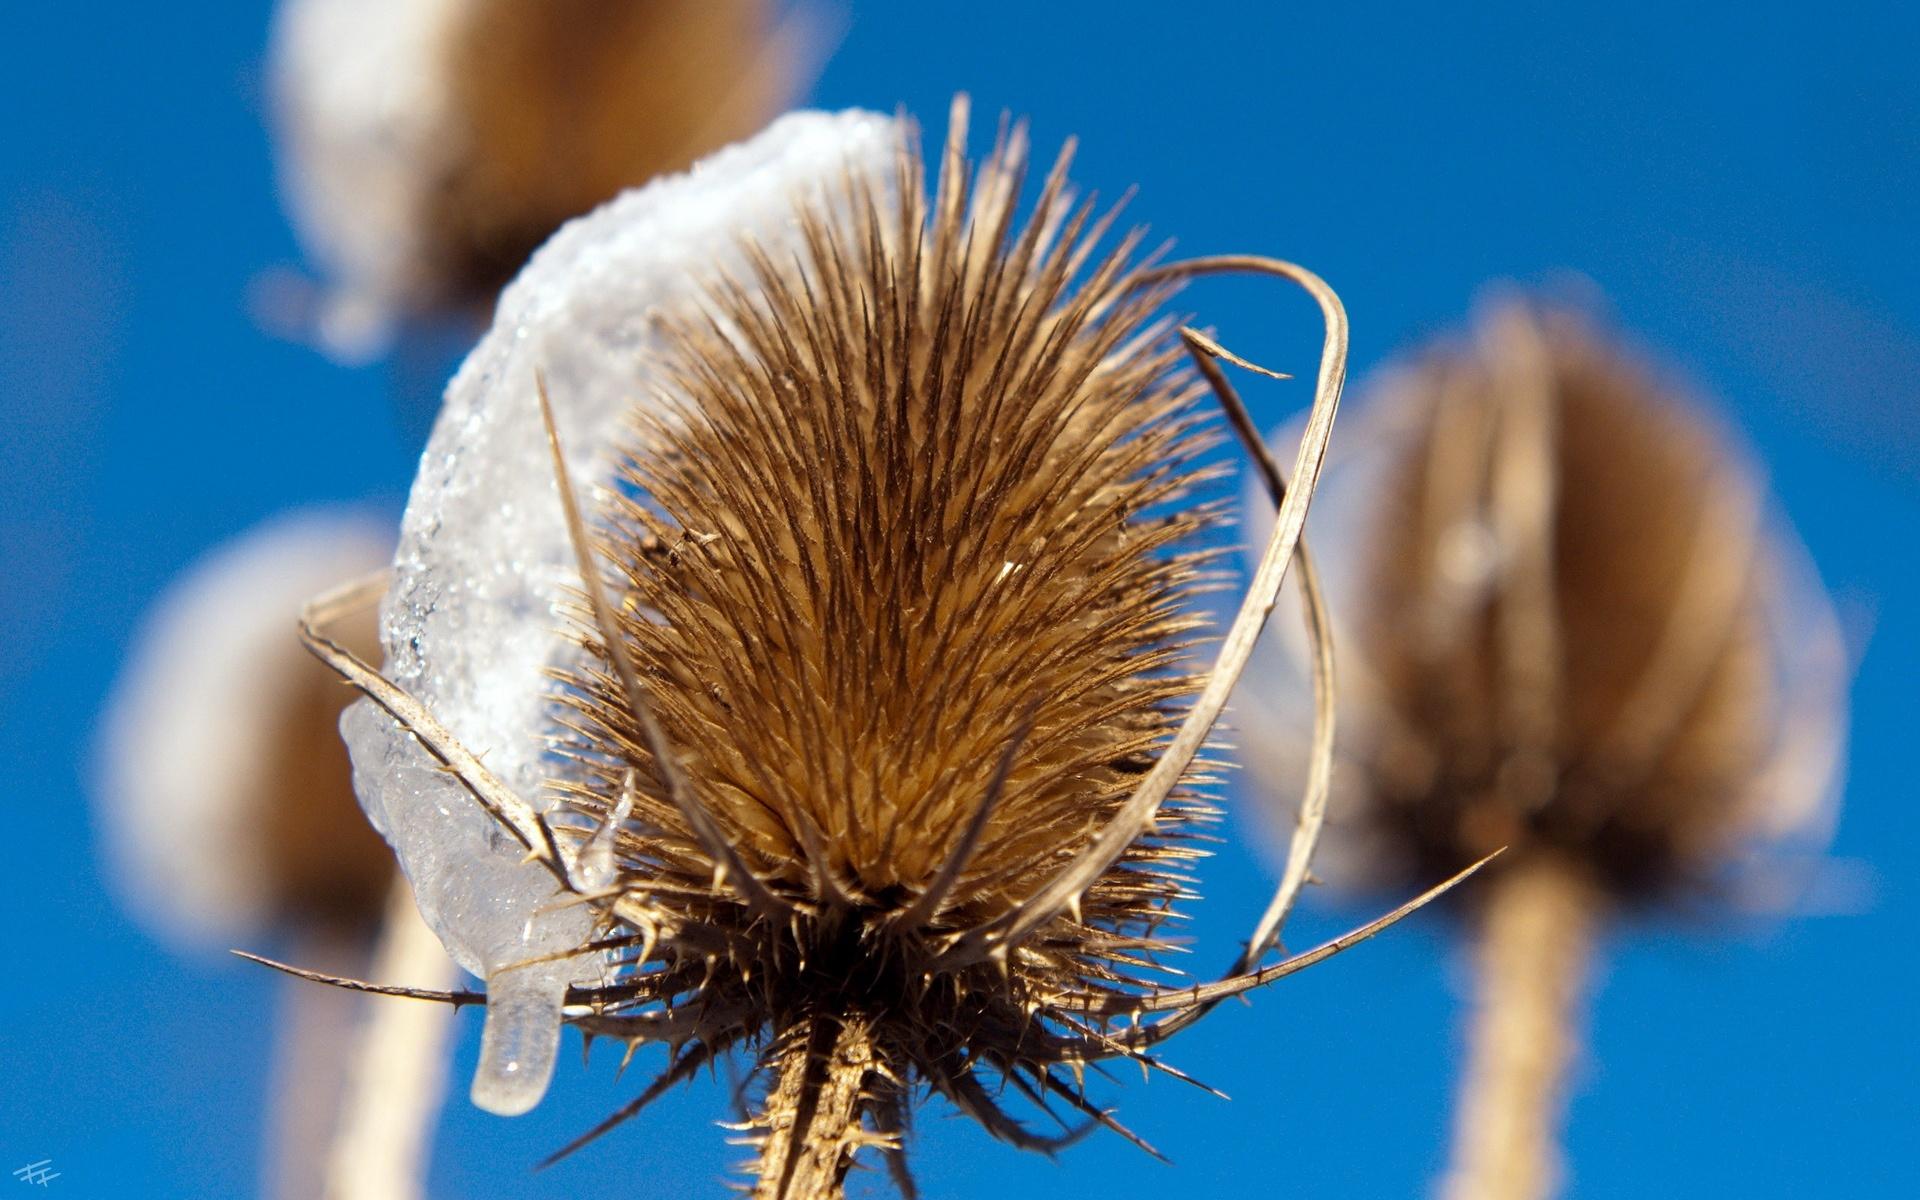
555 107
907 539
1564 605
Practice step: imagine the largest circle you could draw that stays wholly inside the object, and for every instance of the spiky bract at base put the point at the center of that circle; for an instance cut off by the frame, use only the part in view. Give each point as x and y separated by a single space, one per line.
903 568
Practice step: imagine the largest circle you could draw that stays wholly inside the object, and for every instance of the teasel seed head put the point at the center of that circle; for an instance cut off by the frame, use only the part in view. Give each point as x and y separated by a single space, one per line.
868 743
428 146
224 794
908 592
1572 632
1571 626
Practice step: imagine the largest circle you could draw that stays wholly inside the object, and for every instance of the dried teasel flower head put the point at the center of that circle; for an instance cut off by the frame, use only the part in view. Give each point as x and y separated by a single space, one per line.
225 799
429 145
848 720
1569 625
1571 632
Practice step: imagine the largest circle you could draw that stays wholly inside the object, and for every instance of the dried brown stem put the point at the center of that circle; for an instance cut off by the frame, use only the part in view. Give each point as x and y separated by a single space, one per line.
1536 934
813 1119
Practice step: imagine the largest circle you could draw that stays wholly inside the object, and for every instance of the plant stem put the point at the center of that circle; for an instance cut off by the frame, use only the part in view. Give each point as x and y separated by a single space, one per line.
397 1079
312 1029
814 1115
1530 969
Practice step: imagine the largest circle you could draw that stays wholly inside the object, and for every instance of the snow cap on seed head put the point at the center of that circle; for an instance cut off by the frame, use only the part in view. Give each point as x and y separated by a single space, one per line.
472 623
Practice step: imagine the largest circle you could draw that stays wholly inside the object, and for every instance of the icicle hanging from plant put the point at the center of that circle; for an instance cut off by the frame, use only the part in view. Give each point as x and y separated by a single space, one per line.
829 650
1567 628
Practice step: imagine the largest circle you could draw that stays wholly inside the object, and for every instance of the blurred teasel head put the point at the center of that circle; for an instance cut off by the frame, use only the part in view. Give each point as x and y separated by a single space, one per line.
226 810
427 146
829 652
225 800
1569 628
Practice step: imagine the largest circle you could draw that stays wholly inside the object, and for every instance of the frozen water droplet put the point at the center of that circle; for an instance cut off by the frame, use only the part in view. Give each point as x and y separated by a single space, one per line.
521 1039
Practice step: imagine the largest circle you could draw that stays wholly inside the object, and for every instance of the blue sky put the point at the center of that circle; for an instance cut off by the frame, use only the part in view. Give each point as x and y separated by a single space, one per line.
1738 180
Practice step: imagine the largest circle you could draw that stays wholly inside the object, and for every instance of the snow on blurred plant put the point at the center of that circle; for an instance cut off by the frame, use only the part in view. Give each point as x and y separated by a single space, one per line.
428 146
226 805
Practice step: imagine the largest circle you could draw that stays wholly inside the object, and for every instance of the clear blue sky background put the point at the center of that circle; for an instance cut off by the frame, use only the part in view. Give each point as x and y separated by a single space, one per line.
1739 179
